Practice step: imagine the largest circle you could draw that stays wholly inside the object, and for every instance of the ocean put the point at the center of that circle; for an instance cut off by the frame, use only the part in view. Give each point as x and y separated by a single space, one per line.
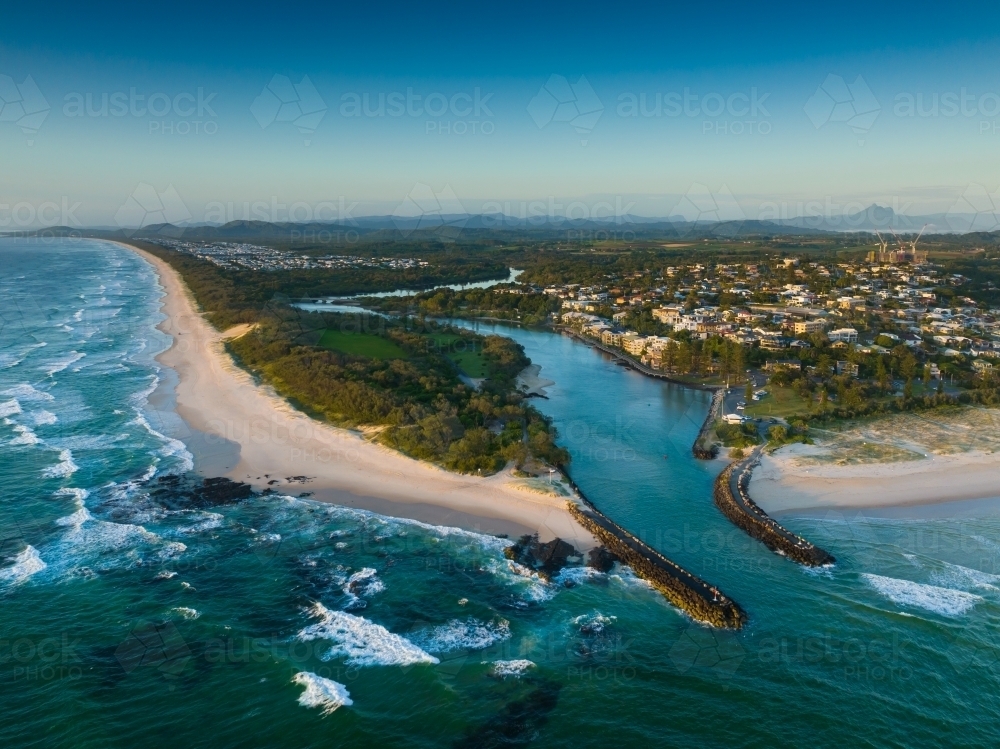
134 613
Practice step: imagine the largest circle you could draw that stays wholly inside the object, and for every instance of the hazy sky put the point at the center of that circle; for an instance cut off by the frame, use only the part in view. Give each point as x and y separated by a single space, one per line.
345 110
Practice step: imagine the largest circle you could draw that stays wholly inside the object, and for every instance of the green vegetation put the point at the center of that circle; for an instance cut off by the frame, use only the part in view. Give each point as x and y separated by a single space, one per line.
345 369
230 297
463 351
361 344
498 303
737 435
779 403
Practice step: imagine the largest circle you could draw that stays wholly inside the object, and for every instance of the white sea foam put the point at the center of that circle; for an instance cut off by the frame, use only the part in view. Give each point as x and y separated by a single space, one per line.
399 525
570 576
26 564
78 315
364 582
594 624
26 393
65 467
10 408
955 575
186 613
171 447
470 634
531 585
515 668
42 417
165 575
943 601
10 360
88 441
101 544
207 521
78 494
172 550
361 642
77 519
25 436
322 693
58 365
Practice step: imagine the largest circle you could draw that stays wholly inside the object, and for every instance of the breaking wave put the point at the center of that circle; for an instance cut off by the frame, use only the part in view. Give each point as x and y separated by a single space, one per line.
943 601
322 693
514 668
63 468
10 408
361 642
26 564
470 634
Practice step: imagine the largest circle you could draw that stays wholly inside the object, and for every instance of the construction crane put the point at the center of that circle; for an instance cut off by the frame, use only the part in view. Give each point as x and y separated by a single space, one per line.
913 246
902 247
883 244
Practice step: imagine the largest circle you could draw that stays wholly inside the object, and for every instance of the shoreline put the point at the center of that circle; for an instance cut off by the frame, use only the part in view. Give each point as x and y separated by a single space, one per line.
782 484
248 433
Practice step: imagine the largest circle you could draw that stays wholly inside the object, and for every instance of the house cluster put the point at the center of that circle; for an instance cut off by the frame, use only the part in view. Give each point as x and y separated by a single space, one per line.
244 256
779 306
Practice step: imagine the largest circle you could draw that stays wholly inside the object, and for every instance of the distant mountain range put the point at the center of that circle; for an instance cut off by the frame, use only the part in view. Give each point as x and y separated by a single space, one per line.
449 227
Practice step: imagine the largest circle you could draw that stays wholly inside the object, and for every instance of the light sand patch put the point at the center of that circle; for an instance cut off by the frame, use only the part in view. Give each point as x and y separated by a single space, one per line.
530 381
903 459
238 331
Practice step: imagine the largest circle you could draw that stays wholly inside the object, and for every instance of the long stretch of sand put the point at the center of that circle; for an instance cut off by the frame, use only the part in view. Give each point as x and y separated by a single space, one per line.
783 482
249 433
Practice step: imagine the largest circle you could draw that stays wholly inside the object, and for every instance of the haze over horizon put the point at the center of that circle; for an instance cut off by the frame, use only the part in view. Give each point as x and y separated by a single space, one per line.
699 113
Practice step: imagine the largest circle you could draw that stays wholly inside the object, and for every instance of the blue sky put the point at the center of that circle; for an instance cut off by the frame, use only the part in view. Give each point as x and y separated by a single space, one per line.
583 104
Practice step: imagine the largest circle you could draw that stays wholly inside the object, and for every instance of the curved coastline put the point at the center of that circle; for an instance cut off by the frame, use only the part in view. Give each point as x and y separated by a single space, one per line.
273 446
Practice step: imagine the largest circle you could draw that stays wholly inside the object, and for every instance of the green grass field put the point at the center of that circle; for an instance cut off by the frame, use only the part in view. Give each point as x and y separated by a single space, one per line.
780 402
361 344
463 352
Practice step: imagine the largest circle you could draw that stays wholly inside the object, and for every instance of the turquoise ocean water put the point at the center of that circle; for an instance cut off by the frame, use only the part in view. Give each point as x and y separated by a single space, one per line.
131 615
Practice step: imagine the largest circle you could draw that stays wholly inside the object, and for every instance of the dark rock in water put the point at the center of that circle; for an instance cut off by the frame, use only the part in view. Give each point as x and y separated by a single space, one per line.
601 559
221 491
518 724
547 559
178 492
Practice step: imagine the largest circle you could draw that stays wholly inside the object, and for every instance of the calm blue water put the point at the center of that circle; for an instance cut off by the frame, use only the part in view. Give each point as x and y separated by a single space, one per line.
129 615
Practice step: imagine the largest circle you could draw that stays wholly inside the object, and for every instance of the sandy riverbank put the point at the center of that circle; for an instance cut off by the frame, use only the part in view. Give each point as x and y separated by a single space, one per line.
249 433
794 479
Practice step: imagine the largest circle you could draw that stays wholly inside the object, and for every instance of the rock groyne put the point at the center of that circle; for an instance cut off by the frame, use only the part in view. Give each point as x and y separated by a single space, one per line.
702 448
699 599
732 497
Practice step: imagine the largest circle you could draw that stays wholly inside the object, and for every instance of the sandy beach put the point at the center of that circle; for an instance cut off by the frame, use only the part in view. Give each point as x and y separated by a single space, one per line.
248 433
788 480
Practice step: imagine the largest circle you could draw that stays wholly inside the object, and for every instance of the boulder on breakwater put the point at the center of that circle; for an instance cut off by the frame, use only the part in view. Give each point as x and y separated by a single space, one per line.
684 590
749 517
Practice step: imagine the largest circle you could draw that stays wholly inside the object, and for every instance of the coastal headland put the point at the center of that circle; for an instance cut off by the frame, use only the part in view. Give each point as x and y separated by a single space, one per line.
251 434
